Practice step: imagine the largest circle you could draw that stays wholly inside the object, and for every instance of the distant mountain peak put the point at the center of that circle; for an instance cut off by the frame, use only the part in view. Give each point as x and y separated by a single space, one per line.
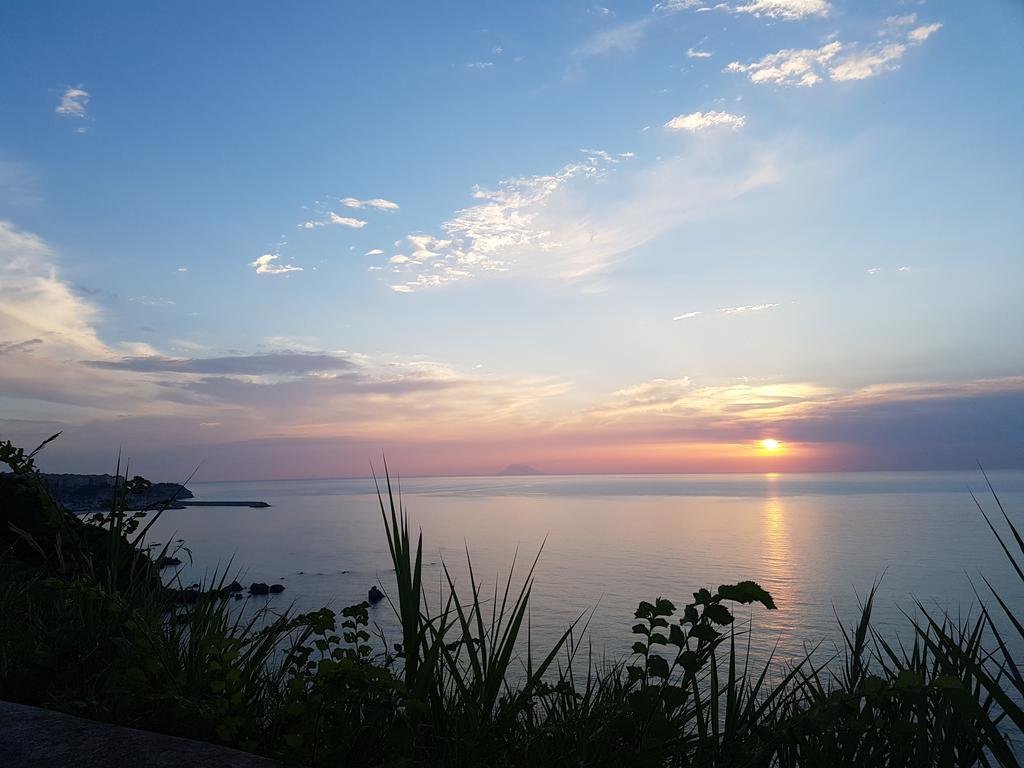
520 469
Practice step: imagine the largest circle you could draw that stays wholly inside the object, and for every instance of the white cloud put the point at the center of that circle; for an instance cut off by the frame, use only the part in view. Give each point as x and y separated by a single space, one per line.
701 121
377 202
374 252
346 221
333 218
480 65
789 10
695 54
183 269
35 303
835 60
686 316
874 270
265 265
601 12
747 308
904 269
865 64
73 103
790 66
920 34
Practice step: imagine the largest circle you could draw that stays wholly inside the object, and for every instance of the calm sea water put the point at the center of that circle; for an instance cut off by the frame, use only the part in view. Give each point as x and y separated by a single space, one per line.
814 541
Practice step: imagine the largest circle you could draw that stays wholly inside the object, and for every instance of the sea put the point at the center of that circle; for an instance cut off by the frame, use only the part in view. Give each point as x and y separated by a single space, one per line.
819 543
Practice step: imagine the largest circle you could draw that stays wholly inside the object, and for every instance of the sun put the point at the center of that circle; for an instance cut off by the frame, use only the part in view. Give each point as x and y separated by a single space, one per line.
771 445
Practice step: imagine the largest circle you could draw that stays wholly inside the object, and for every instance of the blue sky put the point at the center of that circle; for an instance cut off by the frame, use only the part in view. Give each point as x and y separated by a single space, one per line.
622 238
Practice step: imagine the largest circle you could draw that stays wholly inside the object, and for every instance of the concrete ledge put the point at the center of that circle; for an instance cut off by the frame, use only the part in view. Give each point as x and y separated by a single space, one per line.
39 738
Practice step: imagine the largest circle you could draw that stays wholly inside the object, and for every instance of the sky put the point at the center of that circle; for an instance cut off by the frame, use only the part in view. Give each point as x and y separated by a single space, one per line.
275 240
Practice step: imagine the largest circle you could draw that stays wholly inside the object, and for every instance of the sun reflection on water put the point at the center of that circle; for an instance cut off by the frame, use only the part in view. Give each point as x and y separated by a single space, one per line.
776 558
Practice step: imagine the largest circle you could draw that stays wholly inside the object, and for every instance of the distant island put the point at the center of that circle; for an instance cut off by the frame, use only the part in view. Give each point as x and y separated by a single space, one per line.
519 469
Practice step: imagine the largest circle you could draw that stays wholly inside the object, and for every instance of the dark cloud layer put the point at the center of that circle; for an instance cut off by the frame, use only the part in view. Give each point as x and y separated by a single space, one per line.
243 365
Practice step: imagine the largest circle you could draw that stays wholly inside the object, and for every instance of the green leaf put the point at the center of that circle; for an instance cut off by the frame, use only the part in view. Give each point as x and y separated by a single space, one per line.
676 636
639 647
688 660
674 696
663 607
641 629
644 611
657 666
746 592
718 613
705 632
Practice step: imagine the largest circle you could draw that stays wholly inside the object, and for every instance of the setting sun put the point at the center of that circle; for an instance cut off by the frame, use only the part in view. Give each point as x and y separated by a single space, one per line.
771 445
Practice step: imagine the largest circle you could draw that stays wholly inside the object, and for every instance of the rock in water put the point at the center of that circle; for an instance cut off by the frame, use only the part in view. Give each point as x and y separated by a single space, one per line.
375 595
276 589
259 588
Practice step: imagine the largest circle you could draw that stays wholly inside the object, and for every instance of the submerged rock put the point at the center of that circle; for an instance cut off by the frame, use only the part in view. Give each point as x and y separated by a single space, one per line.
375 595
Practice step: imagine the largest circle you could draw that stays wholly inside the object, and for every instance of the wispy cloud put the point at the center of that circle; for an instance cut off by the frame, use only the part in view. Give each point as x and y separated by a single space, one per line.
900 21
555 226
9 347
265 265
333 218
747 308
920 34
701 121
377 202
686 315
618 39
674 6
480 65
695 54
74 103
265 364
835 60
786 10
864 64
151 301
790 10
374 252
